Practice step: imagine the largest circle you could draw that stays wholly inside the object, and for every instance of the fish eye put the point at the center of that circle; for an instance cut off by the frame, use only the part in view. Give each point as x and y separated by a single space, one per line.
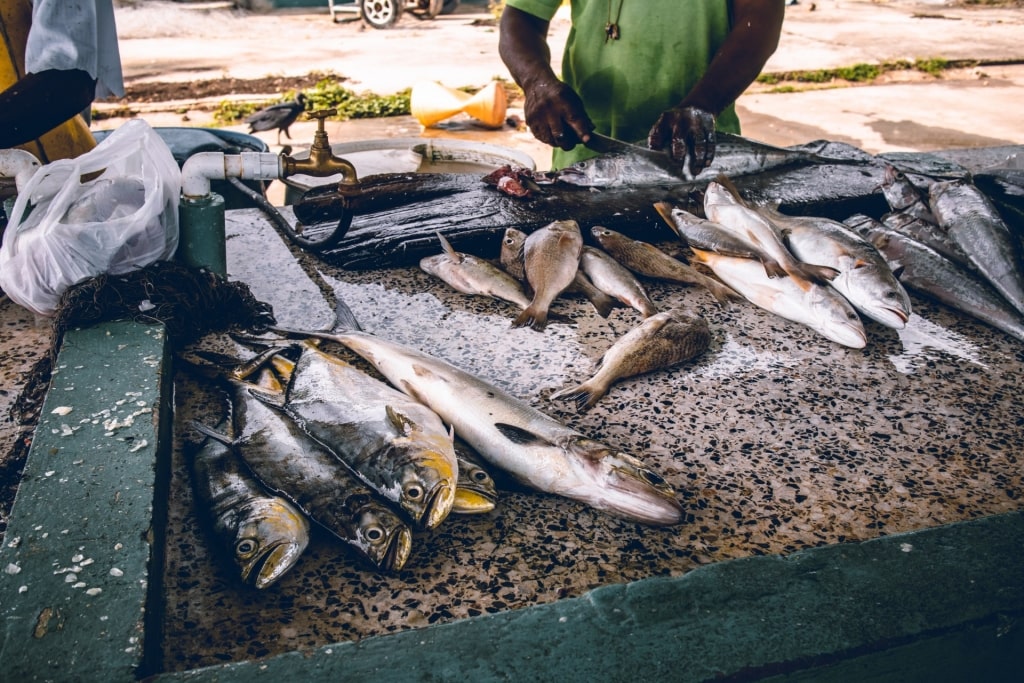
479 475
374 534
851 316
414 492
891 295
246 547
651 477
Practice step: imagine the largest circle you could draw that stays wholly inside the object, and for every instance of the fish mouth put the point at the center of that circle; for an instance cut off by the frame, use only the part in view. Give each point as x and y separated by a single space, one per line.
472 502
892 317
645 497
272 564
439 504
398 550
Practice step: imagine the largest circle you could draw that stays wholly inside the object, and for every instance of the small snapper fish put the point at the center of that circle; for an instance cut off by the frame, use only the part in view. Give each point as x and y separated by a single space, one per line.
292 464
472 275
520 440
646 259
551 257
611 277
723 205
864 277
819 307
512 261
660 341
265 534
398 446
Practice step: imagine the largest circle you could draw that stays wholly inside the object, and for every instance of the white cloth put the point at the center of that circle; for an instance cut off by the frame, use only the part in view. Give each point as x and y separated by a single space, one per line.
76 34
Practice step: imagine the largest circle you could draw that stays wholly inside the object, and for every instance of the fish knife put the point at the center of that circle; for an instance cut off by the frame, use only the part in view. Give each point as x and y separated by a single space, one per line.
608 145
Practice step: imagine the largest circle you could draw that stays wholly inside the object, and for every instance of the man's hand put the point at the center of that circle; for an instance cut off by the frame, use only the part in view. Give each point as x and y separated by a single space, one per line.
555 114
685 132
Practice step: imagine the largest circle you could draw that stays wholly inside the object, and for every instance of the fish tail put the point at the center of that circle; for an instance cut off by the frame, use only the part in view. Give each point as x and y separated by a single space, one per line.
532 316
723 294
603 304
583 395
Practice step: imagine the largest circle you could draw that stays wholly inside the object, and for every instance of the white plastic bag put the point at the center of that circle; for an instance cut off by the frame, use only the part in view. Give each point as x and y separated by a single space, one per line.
111 210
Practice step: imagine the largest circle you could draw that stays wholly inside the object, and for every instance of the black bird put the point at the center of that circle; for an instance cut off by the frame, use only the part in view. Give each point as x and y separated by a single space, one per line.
279 116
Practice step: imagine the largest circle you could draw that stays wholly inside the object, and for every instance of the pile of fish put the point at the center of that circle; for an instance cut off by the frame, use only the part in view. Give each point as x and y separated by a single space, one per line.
949 241
535 269
314 437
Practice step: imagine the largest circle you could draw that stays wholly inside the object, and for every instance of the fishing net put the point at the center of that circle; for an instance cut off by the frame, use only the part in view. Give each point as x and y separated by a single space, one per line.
190 302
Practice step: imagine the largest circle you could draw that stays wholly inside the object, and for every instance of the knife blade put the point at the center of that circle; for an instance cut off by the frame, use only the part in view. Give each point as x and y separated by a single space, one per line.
608 145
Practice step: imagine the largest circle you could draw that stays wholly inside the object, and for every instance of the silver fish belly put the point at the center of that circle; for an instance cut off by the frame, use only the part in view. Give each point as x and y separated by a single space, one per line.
473 275
614 279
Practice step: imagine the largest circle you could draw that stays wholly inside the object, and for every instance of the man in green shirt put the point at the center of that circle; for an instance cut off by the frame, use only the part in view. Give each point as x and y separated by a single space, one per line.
657 70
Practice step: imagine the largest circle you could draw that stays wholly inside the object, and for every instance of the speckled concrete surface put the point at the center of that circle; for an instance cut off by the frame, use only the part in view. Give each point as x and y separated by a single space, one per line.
776 440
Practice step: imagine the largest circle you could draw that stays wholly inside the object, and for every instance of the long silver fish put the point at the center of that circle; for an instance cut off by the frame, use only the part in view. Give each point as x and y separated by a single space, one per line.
724 205
398 446
292 464
734 156
864 278
704 234
925 270
551 257
973 222
819 307
535 449
928 233
265 534
616 280
477 492
646 259
473 275
660 341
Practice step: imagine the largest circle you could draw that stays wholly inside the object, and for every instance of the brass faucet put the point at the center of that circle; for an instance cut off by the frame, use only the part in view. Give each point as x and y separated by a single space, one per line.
321 161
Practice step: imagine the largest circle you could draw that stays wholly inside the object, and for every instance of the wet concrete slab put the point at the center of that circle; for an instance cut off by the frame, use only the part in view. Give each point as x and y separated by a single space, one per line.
776 439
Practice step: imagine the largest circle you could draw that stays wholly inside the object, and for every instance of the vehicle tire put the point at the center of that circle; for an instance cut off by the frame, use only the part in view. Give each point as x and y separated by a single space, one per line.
381 13
449 6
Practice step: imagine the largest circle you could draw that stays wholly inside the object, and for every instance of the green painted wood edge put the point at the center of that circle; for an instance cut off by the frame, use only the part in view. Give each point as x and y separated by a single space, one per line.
745 619
81 555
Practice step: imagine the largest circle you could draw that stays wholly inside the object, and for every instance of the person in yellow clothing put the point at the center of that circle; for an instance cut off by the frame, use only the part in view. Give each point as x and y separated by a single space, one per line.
56 58
667 72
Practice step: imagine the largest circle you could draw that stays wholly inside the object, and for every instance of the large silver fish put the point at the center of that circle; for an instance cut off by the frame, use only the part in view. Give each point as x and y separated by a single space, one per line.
723 205
864 278
928 233
616 280
292 464
646 259
817 306
660 341
535 449
972 221
927 271
551 257
473 275
265 534
398 446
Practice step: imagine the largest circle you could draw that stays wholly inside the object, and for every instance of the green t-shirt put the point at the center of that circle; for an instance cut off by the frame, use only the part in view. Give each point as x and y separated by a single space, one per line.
663 49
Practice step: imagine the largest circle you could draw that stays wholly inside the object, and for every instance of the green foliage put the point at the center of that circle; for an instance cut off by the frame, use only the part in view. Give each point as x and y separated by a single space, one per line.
326 94
857 73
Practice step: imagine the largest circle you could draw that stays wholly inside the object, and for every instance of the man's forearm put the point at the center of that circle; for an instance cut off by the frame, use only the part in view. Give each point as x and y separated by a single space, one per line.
40 102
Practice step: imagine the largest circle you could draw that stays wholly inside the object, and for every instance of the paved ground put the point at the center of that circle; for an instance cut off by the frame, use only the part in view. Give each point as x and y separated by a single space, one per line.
968 107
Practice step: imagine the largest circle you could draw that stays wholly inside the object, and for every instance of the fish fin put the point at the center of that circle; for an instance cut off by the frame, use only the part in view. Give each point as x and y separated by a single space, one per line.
277 399
344 318
449 249
724 294
212 433
401 422
604 304
520 436
820 274
773 270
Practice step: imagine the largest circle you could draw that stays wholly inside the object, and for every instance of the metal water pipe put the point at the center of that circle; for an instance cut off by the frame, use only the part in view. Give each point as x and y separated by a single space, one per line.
202 238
